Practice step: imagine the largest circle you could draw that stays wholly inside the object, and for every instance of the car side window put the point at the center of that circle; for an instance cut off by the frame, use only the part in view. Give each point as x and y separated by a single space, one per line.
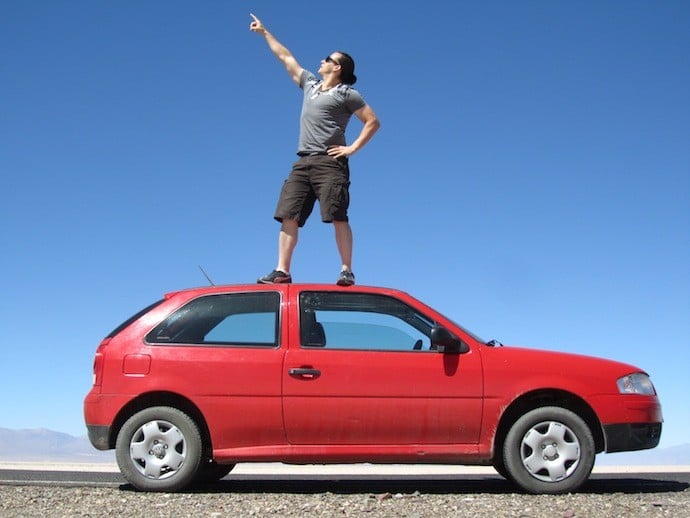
335 320
243 319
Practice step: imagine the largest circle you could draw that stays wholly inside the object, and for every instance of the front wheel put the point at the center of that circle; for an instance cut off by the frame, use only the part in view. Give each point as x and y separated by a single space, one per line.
159 449
549 450
211 471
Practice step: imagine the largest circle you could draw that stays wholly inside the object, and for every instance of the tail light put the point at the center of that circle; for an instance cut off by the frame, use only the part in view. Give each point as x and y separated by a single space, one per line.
98 363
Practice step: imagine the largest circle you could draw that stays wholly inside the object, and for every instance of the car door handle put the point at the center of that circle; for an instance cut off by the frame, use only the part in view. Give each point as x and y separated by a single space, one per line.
304 373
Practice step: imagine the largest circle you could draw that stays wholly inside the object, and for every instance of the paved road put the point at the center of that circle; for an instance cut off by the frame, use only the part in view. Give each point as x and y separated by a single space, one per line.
599 483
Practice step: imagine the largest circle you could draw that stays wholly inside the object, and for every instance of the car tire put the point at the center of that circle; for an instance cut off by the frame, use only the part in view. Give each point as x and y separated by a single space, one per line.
500 468
549 450
159 449
210 471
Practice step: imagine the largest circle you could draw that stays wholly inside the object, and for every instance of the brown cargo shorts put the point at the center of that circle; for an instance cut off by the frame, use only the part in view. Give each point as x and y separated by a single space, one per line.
315 177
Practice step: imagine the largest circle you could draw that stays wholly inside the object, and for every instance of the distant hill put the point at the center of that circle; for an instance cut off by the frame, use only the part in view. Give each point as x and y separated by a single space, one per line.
41 445
670 456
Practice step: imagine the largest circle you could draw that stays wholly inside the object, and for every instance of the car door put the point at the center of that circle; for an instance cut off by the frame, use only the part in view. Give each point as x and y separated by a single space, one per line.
362 371
222 351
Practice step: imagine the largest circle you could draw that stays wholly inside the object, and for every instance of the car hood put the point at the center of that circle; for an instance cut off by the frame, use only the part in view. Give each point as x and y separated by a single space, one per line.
533 368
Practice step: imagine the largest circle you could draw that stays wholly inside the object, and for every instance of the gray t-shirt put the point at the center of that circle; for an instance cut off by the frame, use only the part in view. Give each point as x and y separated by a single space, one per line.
325 114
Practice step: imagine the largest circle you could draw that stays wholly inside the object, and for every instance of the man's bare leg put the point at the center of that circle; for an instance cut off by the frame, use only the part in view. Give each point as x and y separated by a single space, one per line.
287 241
344 240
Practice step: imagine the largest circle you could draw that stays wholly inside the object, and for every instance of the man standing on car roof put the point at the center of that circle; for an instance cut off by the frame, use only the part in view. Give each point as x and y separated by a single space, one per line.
322 170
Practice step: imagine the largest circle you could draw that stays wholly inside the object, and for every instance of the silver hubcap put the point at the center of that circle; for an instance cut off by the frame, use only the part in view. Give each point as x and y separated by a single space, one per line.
550 451
158 449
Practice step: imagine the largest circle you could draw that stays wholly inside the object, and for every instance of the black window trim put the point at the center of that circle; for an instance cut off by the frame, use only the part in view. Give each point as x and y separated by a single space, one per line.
134 318
224 345
416 311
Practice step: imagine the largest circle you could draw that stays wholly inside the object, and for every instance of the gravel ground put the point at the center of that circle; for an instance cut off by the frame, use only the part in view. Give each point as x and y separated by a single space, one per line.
24 501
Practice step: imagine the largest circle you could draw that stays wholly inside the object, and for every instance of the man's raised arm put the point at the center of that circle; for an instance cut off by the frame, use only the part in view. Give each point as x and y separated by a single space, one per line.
294 69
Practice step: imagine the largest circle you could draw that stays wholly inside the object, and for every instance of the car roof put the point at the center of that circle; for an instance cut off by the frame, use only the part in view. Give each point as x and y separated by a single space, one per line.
224 288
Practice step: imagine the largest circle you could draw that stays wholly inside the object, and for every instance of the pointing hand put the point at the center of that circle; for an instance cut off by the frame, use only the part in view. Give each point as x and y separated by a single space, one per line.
256 25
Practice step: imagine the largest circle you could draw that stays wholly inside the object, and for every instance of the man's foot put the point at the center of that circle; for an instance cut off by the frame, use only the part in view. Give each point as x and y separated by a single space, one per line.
347 278
275 277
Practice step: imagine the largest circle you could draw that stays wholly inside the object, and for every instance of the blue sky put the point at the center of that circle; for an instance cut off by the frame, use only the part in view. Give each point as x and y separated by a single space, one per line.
531 178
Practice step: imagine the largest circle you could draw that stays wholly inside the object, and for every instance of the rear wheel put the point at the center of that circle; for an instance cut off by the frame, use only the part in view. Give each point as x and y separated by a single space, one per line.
549 450
159 449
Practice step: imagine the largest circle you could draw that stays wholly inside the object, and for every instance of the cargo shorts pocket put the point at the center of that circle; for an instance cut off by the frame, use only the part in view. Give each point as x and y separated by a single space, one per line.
337 202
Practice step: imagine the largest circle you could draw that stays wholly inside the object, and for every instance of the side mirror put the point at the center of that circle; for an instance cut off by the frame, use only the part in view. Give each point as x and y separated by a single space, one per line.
446 342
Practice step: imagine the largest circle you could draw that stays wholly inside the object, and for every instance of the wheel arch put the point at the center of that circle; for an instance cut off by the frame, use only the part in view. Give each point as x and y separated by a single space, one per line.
547 397
161 398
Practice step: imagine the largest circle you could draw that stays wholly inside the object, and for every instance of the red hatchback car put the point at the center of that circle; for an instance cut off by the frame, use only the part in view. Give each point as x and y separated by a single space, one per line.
209 377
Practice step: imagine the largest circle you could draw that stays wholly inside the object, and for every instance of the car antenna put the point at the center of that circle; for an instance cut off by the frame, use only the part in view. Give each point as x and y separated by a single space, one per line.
206 275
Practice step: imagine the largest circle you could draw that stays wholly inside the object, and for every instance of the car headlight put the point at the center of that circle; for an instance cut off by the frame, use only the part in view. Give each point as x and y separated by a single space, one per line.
637 383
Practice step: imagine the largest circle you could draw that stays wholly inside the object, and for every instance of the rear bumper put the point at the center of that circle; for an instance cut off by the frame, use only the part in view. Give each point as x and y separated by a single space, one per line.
631 436
99 436
100 409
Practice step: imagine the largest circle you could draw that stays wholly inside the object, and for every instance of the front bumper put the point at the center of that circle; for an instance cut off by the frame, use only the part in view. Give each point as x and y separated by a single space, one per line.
631 436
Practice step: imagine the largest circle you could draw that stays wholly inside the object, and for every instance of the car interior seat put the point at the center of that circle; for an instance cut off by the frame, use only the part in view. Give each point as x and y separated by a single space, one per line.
313 334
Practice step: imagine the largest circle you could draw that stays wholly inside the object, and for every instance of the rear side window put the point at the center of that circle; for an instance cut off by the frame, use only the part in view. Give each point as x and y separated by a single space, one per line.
245 319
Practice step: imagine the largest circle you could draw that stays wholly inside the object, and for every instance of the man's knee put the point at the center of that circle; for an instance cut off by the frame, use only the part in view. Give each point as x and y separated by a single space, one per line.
289 224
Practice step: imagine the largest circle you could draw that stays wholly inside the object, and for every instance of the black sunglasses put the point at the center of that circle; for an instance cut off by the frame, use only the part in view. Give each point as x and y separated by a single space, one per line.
329 58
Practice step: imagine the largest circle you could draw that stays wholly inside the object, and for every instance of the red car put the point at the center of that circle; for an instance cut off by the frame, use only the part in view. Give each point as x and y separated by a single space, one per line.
209 377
